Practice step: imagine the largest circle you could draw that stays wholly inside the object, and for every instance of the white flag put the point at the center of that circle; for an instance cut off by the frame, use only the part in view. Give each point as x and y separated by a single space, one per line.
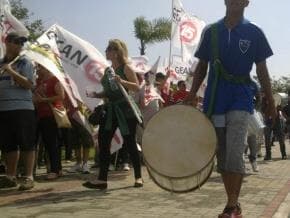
8 24
51 62
186 30
190 32
139 64
177 14
80 60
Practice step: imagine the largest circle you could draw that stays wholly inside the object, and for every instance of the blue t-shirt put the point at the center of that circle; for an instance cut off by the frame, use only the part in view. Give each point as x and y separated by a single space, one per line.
239 49
13 96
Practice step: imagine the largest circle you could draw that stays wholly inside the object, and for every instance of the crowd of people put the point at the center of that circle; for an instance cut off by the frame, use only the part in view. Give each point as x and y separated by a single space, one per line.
30 91
27 121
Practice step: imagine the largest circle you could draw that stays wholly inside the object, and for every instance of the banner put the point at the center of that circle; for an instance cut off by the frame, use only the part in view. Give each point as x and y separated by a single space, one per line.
139 64
177 14
50 61
186 31
8 24
85 66
81 60
190 32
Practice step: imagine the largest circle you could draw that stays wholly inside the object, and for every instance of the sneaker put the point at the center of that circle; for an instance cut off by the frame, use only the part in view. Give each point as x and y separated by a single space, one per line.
126 167
27 184
74 169
6 182
112 167
255 166
85 169
231 212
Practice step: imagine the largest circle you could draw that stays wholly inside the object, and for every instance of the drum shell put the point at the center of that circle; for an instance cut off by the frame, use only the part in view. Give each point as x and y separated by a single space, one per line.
188 167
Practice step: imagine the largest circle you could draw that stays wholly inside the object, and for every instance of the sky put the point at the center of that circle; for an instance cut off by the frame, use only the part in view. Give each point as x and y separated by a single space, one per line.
98 21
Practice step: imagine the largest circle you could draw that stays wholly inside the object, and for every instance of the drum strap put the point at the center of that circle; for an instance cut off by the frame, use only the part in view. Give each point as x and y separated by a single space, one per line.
220 71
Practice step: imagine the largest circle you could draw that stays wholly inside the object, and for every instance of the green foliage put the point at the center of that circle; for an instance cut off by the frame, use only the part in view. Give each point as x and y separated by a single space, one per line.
151 32
35 27
281 84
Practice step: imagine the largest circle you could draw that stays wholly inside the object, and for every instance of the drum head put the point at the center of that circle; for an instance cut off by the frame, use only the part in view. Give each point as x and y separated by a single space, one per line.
179 141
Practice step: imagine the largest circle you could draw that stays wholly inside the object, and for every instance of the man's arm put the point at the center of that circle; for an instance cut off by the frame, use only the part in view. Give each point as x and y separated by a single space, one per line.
264 79
198 77
18 78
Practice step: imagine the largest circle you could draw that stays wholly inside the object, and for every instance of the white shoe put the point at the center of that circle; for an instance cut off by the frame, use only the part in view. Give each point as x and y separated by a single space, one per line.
255 166
74 169
111 167
85 169
126 167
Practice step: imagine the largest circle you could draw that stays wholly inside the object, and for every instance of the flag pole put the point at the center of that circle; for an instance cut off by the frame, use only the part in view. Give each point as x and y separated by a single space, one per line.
170 48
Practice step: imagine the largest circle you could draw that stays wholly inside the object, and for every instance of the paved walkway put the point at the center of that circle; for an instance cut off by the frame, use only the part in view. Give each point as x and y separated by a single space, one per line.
264 194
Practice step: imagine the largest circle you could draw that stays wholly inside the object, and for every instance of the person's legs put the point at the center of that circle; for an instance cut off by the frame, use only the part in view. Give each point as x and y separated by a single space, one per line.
252 142
9 128
104 139
78 166
130 143
233 184
12 158
281 138
268 139
49 135
104 142
86 152
85 167
233 168
29 157
86 144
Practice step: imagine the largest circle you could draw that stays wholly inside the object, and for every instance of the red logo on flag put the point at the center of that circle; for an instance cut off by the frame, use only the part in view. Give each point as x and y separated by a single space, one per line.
188 31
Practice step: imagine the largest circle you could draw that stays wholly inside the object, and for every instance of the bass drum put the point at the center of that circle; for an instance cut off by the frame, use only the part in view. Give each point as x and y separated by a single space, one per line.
179 145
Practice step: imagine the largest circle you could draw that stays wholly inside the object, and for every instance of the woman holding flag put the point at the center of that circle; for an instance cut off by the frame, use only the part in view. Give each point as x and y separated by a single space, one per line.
118 113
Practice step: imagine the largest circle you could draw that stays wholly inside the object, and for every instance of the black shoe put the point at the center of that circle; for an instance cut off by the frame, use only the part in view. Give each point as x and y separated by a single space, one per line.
2 169
267 158
100 186
138 183
6 182
284 157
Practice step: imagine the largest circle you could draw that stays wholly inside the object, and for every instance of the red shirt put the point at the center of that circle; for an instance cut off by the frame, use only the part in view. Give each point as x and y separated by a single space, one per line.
46 89
179 96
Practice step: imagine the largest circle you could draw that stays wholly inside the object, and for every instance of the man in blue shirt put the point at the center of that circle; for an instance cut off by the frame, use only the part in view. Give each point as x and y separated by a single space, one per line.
230 47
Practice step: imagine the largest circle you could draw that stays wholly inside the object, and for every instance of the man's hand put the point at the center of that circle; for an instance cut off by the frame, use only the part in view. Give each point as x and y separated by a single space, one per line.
191 99
271 111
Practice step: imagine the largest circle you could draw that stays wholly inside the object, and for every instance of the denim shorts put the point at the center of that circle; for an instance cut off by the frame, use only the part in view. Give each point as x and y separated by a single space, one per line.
231 130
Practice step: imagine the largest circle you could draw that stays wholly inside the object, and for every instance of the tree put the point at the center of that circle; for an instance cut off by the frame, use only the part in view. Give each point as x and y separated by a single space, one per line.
151 32
281 85
35 27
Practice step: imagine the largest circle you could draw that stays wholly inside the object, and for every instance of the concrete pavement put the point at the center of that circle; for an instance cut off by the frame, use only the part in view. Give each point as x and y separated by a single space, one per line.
264 194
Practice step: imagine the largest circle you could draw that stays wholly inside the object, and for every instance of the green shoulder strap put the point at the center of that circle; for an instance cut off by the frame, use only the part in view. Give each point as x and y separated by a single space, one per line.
215 52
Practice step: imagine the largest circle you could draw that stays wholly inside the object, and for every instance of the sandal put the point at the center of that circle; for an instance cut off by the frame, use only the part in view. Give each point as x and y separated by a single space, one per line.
229 212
